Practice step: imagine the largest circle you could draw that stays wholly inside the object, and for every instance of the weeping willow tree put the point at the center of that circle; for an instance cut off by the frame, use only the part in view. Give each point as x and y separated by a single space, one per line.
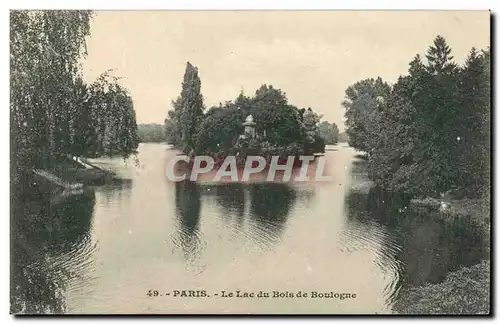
112 121
54 112
45 48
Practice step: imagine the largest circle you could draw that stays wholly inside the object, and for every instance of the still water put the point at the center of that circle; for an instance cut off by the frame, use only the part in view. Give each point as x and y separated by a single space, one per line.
103 250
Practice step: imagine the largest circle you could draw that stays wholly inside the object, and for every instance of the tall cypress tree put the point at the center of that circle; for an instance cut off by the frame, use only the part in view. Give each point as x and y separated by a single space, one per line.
191 106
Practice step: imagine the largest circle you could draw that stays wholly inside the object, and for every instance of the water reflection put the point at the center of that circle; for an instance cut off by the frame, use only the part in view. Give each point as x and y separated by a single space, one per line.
265 206
187 211
50 248
364 232
282 236
423 247
270 205
116 190
231 197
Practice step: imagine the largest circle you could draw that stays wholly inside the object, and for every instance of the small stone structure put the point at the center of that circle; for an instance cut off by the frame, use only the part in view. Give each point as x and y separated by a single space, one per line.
249 127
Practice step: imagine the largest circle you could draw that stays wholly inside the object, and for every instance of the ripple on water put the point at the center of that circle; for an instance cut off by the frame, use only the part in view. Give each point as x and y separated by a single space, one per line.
372 238
264 234
76 264
190 243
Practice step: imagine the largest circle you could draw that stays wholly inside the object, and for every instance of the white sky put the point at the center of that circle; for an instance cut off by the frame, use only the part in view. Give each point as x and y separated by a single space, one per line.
311 55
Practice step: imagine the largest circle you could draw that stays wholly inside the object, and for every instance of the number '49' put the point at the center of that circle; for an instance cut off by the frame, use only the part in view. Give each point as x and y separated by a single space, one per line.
152 293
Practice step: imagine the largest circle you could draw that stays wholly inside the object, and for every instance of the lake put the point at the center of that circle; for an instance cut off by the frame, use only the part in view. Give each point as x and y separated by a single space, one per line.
113 247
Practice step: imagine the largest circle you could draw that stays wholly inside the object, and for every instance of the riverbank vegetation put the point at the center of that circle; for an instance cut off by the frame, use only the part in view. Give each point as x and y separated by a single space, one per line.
429 133
427 138
280 127
55 114
428 251
465 291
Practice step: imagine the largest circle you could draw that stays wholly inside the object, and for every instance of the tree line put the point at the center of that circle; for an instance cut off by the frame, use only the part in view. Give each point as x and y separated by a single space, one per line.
151 133
429 133
54 112
329 132
282 128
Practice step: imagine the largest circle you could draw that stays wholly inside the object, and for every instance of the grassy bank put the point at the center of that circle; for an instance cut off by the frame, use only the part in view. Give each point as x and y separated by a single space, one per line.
76 173
466 291
65 176
476 211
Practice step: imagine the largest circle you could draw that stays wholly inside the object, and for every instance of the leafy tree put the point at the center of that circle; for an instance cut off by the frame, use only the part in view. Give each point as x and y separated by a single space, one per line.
113 117
329 132
313 141
220 129
53 112
435 119
44 51
281 128
172 127
362 106
279 121
428 134
85 132
473 138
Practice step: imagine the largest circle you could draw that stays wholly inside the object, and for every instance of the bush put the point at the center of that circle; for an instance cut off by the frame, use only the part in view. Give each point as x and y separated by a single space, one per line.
466 291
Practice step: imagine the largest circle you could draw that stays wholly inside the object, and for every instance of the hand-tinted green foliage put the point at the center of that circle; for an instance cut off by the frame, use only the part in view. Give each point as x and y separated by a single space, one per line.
149 133
429 132
53 111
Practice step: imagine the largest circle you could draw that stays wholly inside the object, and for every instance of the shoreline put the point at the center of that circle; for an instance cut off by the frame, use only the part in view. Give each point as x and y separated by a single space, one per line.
64 179
462 292
465 290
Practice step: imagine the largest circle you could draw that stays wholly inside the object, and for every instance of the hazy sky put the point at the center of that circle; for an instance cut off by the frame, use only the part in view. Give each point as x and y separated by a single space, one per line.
312 56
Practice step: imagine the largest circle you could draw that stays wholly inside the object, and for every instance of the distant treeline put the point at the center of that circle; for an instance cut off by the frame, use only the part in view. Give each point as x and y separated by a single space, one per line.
429 133
281 128
54 112
328 132
343 137
150 133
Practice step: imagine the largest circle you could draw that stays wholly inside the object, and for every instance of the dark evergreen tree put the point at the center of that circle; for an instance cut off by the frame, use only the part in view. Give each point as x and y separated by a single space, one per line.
431 133
190 107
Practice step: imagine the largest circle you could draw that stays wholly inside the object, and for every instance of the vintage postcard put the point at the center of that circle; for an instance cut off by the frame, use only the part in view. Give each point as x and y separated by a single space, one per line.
250 162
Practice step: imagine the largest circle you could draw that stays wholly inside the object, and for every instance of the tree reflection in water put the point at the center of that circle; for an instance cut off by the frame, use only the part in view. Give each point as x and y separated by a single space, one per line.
269 205
231 197
187 211
425 246
116 190
50 249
